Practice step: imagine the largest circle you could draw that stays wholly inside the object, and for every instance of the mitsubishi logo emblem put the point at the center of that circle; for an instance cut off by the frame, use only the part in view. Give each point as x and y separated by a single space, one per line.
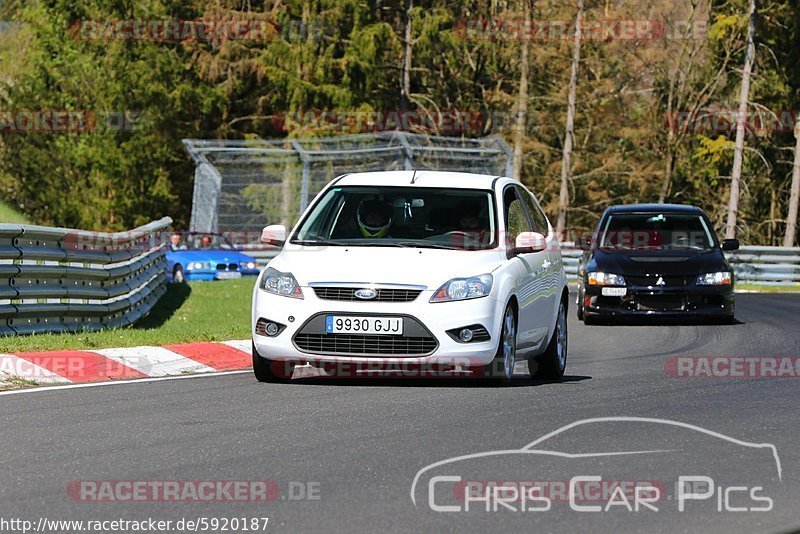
660 281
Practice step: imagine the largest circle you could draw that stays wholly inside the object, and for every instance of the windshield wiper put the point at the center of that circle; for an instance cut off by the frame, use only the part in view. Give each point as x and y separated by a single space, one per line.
417 244
313 242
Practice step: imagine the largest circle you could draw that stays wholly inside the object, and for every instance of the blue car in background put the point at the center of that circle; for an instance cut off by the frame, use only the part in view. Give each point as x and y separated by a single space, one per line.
206 256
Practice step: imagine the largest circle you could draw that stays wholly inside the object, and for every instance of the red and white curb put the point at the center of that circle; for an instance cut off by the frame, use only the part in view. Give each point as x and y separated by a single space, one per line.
102 365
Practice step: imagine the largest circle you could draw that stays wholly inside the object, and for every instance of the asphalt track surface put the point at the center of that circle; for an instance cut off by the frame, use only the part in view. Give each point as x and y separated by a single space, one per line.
361 442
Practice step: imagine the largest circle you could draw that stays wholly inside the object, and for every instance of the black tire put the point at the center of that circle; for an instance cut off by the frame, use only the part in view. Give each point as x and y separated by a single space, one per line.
551 364
271 371
178 276
498 372
580 309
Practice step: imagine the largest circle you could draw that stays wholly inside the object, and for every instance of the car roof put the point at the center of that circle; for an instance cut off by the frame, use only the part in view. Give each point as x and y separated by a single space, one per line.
422 178
659 208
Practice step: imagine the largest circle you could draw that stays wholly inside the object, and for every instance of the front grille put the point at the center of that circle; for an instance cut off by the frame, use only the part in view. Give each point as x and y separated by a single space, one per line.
651 281
369 345
228 267
384 294
661 302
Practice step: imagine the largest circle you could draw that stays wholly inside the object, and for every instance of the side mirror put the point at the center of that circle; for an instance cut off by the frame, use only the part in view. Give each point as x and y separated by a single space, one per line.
730 244
274 234
528 242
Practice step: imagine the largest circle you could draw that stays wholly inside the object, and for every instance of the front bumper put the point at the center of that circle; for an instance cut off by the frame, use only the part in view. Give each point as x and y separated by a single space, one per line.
639 301
214 274
297 315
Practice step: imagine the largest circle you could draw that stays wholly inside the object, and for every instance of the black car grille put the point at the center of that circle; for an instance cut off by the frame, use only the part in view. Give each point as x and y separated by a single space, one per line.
369 345
383 294
661 302
228 267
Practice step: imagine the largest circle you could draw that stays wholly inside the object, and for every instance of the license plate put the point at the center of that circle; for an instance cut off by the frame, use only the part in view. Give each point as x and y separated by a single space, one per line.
349 324
614 291
228 275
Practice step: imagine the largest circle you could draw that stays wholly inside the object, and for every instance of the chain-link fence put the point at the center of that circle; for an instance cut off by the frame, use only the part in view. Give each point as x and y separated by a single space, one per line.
241 186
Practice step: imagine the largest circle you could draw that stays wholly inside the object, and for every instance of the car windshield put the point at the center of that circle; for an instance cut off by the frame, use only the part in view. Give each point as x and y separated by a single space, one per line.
201 241
656 231
462 219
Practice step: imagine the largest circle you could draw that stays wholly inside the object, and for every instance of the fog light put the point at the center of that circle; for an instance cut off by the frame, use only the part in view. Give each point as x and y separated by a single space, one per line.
465 335
272 329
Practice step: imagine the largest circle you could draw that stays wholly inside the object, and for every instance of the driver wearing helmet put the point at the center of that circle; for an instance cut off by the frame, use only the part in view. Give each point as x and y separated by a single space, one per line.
374 218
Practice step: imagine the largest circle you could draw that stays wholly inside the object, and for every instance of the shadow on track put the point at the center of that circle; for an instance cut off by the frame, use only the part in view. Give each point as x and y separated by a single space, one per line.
433 381
665 321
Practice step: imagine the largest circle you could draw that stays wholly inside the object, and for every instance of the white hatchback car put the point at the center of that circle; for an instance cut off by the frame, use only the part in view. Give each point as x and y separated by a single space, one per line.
442 270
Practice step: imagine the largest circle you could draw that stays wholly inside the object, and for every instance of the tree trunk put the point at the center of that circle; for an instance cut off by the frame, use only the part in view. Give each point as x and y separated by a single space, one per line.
794 197
405 83
670 162
566 166
738 154
669 156
522 99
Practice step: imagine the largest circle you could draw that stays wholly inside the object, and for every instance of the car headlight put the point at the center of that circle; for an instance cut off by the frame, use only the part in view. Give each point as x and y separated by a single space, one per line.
280 283
722 278
250 265
464 288
606 279
198 265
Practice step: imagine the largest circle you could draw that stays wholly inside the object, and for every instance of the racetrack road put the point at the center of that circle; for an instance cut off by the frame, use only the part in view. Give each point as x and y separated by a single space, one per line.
359 445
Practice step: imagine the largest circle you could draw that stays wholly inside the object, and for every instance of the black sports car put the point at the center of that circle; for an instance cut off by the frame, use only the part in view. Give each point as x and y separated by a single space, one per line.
660 260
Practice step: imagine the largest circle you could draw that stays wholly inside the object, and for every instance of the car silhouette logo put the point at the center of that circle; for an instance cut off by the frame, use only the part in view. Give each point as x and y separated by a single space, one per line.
660 281
366 294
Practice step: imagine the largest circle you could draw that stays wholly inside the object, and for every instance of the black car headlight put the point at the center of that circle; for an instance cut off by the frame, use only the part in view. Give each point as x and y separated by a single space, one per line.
605 279
721 278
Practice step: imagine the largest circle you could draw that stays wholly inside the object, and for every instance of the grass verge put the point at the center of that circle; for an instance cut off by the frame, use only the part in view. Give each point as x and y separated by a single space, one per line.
10 215
757 288
200 311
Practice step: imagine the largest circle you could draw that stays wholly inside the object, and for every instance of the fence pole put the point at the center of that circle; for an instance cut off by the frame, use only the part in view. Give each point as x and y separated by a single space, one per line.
304 178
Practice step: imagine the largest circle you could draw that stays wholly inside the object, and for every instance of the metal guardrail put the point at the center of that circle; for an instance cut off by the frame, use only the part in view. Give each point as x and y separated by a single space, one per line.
62 280
766 265
751 264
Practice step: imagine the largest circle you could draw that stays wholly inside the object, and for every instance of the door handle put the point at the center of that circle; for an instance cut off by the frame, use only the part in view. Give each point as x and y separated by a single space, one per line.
546 264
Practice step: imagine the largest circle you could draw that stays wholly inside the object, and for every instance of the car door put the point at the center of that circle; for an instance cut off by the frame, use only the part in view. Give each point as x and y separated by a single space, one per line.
529 270
552 262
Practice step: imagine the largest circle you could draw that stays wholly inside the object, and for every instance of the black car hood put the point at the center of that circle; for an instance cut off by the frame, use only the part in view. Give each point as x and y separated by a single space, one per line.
662 263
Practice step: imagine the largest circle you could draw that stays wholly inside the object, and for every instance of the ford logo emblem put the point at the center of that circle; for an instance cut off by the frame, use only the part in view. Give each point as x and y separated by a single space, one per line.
366 294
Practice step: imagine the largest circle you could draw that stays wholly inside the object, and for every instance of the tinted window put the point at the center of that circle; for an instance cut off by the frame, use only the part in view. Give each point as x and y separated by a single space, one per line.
401 216
655 231
537 215
516 218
